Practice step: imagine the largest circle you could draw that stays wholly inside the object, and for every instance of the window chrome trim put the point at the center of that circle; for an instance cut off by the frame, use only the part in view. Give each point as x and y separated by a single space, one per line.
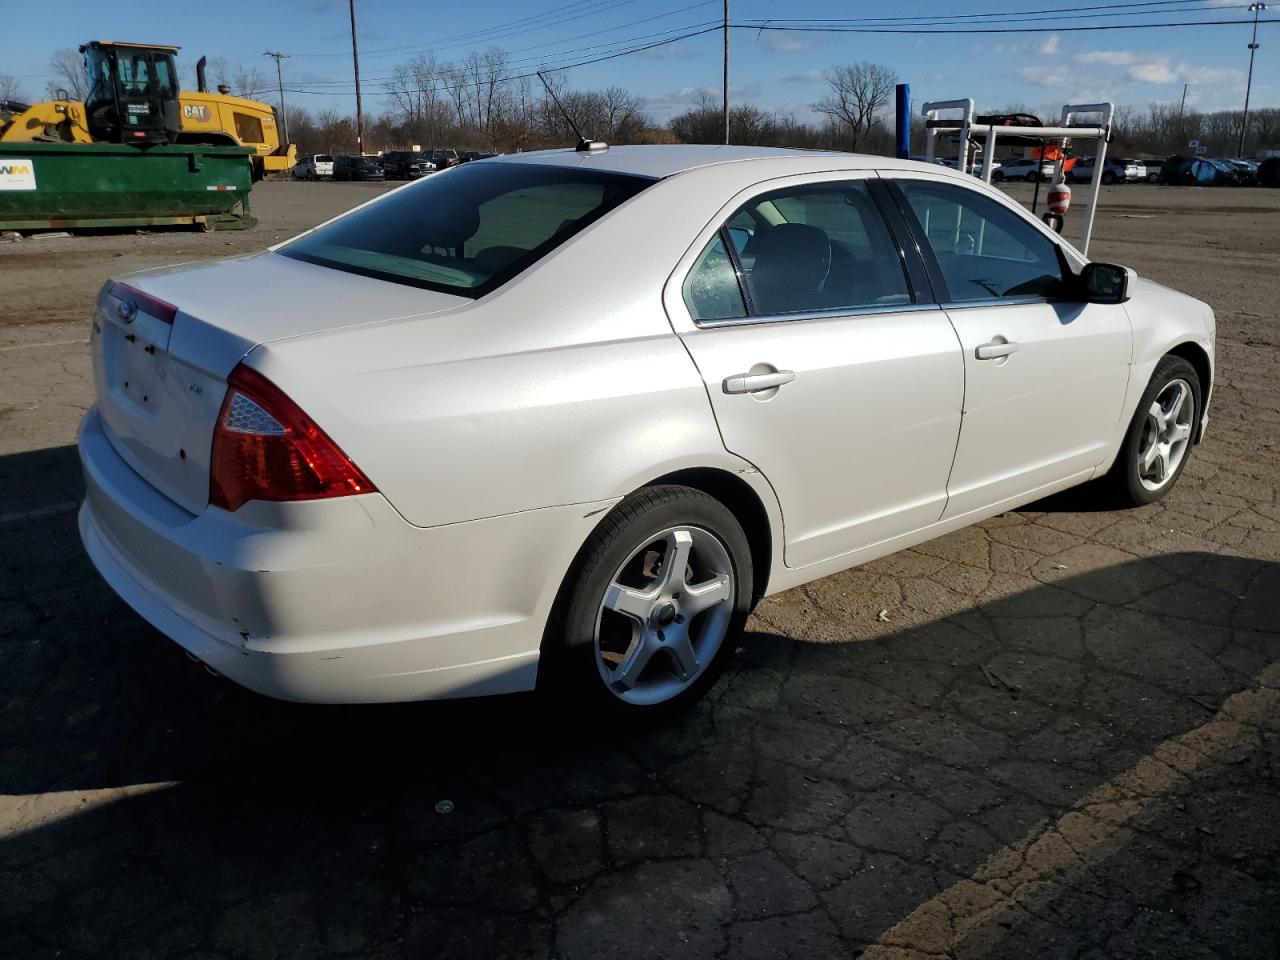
847 312
998 301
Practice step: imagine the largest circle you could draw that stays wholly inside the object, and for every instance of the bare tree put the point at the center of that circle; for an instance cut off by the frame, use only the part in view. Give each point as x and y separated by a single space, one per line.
858 92
67 67
11 88
249 82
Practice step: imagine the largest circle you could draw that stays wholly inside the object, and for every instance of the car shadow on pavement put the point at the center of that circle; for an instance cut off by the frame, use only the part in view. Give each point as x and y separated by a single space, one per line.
1084 768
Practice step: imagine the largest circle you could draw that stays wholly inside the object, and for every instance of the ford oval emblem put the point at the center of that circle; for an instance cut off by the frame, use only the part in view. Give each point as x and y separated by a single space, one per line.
126 310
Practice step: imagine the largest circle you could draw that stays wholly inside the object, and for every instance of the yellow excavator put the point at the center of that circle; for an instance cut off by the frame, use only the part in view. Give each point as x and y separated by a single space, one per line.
134 98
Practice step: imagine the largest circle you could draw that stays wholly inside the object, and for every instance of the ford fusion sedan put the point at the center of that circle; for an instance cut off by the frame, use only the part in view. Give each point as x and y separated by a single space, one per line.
559 420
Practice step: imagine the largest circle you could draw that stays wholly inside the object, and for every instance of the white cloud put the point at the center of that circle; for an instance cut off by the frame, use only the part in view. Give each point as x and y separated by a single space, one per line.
1153 73
809 76
783 42
1157 68
1048 46
1046 76
1117 58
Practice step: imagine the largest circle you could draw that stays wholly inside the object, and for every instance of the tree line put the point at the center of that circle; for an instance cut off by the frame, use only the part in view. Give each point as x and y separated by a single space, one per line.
481 103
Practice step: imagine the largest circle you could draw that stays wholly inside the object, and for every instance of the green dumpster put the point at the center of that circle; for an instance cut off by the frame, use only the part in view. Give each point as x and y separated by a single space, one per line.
67 185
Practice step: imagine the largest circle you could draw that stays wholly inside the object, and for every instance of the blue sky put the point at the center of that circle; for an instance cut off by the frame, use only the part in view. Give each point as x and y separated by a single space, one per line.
773 69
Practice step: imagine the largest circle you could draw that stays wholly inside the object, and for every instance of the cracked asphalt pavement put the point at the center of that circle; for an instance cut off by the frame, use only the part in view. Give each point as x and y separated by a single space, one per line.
1061 739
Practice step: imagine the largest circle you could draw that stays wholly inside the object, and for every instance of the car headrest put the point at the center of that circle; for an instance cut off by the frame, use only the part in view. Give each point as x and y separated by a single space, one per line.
792 263
458 229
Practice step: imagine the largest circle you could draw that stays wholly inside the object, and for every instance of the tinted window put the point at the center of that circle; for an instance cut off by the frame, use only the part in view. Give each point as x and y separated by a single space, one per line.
469 231
817 248
983 249
323 158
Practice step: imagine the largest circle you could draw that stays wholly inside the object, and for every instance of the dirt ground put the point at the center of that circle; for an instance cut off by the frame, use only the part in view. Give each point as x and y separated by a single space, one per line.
1064 741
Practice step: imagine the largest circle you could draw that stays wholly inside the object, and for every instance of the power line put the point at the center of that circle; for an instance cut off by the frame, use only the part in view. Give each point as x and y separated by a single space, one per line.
518 27
567 66
1050 28
959 21
542 61
998 13
903 30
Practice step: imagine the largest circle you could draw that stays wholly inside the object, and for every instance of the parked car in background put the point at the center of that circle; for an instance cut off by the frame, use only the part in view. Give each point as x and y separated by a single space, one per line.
1269 172
406 165
537 423
1154 168
357 168
468 155
1210 172
974 167
1113 171
1025 168
1176 170
444 159
1246 170
313 167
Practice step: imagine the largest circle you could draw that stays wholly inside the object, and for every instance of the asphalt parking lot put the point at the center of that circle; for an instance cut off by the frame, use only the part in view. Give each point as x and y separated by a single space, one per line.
1060 739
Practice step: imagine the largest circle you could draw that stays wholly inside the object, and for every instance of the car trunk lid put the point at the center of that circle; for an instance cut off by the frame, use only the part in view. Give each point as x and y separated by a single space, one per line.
164 342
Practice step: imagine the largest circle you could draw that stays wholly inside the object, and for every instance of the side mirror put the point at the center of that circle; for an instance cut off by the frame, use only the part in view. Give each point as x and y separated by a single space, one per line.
1107 282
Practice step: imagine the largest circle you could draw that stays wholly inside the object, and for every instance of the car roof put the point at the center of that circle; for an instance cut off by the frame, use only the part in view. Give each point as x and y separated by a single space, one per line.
665 160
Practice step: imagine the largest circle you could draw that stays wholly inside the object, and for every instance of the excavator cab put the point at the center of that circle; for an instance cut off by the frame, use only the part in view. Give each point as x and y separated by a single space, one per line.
133 92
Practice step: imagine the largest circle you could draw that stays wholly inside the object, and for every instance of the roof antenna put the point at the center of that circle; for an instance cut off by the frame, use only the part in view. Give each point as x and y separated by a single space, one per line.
584 145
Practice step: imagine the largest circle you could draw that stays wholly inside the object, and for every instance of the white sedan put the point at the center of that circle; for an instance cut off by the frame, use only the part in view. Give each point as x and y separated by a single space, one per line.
560 419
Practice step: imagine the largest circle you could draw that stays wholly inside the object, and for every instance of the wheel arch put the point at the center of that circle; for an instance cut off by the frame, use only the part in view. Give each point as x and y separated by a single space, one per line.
1198 357
745 504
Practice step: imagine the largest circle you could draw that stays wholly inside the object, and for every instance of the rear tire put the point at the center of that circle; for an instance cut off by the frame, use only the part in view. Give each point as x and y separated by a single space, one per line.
1108 177
652 607
1158 442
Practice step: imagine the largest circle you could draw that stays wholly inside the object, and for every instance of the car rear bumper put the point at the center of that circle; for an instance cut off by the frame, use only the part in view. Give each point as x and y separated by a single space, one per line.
334 601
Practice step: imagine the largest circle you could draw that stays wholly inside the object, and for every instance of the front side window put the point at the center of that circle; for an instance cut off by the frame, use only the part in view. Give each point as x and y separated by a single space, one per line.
470 231
817 248
983 250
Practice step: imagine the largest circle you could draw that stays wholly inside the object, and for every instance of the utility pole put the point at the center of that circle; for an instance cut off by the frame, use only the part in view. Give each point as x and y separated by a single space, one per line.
725 109
355 59
1255 9
1182 109
277 56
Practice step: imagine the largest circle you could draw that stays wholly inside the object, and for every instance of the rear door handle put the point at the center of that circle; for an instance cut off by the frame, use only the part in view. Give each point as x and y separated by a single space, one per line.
995 350
755 382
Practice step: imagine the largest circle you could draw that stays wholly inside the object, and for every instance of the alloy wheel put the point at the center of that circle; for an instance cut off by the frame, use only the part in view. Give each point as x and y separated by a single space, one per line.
664 615
1166 434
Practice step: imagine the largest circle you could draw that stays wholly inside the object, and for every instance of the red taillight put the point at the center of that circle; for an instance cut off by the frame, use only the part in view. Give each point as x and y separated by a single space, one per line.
148 304
266 448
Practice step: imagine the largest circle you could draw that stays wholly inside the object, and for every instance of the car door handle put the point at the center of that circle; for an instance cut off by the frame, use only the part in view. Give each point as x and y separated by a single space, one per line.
995 350
755 382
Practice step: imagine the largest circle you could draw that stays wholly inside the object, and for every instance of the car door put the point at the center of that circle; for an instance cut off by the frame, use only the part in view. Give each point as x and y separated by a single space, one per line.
1045 375
827 367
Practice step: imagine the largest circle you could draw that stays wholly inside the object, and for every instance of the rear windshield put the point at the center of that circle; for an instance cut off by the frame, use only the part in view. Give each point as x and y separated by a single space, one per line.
468 230
323 158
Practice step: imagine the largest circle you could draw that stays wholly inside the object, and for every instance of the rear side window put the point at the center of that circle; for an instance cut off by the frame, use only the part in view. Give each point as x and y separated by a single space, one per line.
470 231
711 290
817 248
983 250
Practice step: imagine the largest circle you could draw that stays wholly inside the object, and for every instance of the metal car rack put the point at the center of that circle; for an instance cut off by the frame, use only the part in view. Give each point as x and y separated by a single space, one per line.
970 132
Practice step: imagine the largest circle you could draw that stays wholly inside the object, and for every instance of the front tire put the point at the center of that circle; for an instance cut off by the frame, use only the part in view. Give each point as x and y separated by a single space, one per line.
1108 178
651 608
1158 443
